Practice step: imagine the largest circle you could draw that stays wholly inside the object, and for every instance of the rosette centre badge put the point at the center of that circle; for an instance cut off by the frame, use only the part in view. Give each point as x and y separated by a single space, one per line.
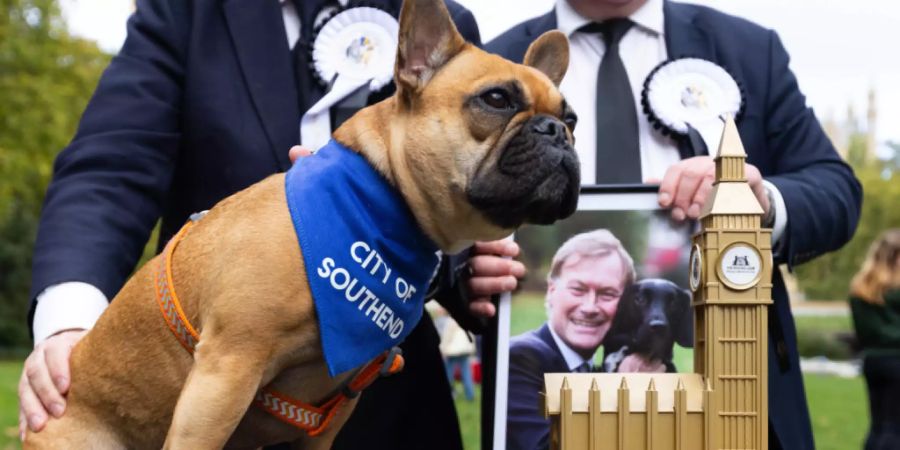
360 51
692 97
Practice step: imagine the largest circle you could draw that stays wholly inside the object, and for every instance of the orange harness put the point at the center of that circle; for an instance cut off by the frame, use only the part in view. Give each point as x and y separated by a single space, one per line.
291 411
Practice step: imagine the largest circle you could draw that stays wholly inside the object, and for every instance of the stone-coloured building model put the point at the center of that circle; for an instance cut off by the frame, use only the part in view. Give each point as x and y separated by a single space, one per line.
724 403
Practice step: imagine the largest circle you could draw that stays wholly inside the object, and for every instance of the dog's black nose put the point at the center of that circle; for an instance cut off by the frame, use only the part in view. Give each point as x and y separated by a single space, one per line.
658 324
548 126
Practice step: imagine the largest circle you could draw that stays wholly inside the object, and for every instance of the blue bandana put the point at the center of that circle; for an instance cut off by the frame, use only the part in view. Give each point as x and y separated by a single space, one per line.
367 261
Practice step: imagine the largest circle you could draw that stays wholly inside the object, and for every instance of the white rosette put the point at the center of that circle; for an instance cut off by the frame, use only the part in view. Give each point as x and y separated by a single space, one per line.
691 93
355 48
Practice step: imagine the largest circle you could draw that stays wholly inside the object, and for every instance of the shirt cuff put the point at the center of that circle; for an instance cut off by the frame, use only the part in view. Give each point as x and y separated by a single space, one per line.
781 216
66 306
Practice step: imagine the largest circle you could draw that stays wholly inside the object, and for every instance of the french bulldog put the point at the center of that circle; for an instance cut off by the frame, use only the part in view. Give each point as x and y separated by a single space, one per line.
474 144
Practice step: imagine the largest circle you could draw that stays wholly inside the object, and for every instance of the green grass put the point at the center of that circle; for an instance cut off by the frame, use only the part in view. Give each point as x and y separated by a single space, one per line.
9 404
839 410
824 323
469 413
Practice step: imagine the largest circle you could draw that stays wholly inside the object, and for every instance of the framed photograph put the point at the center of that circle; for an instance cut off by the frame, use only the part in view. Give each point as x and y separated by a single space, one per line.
607 290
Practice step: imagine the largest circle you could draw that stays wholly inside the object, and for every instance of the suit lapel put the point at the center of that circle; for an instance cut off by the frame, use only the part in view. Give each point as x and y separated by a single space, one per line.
683 36
685 39
265 61
542 25
515 49
545 335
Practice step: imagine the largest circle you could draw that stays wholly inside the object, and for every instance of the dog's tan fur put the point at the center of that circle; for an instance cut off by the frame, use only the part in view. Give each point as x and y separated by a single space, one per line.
240 276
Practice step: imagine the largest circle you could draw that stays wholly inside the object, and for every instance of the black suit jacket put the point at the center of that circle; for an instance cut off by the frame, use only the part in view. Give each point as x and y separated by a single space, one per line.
531 355
785 141
200 103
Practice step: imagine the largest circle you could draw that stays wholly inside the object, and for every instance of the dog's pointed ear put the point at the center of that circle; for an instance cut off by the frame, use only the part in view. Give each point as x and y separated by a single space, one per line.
427 40
683 329
549 53
626 318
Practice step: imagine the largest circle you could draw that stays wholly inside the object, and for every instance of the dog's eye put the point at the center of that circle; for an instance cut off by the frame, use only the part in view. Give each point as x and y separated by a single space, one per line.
570 120
497 99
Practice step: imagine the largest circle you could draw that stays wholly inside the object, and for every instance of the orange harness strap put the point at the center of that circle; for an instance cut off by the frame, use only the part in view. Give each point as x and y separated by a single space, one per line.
291 411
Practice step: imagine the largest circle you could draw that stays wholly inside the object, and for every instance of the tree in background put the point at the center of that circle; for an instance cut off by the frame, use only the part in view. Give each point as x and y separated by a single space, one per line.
828 277
46 79
892 163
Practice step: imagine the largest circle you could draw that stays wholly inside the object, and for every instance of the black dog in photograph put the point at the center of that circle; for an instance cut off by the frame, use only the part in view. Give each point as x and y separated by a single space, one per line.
653 314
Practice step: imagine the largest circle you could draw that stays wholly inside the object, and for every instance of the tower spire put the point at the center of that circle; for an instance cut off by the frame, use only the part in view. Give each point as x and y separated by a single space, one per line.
731 194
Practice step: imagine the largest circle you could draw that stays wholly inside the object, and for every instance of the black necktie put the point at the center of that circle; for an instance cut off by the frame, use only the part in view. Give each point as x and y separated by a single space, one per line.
618 152
583 368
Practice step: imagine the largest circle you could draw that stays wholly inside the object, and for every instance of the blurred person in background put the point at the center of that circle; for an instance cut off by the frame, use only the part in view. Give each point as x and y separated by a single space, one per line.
875 304
457 346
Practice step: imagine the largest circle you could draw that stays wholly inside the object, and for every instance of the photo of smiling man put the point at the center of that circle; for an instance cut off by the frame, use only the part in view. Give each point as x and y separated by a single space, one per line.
605 291
587 277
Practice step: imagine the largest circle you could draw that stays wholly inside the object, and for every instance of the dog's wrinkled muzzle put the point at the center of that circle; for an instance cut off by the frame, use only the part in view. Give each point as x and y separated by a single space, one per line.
536 178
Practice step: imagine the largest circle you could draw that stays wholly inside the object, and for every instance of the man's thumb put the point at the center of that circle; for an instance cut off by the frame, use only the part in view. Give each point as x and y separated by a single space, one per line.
298 151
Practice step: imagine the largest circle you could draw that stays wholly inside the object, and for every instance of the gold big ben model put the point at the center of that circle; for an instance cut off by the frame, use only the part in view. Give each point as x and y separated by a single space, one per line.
724 403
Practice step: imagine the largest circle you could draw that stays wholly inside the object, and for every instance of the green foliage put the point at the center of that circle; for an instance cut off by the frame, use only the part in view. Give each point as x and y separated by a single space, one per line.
46 79
828 277
829 336
892 163
857 151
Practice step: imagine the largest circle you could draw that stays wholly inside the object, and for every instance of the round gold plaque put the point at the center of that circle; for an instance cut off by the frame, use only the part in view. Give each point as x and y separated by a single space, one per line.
696 277
739 266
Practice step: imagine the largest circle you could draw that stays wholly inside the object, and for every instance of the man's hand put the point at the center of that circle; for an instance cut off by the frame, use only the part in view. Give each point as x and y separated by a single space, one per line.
686 187
636 363
493 272
45 380
298 151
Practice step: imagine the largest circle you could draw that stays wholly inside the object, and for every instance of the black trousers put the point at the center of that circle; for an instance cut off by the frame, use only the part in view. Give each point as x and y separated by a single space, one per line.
882 375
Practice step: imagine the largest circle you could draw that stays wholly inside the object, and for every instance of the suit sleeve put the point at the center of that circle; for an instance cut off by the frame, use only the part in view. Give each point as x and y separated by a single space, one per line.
108 185
821 193
526 427
465 24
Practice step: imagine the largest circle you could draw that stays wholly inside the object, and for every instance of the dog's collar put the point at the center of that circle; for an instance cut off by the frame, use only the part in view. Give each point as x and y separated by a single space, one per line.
311 419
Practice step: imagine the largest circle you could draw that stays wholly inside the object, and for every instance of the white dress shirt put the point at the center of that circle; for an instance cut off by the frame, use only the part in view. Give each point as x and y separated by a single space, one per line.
573 359
642 48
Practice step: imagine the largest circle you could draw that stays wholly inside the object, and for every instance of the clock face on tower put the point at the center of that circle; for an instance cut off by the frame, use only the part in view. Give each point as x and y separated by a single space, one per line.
696 277
739 266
